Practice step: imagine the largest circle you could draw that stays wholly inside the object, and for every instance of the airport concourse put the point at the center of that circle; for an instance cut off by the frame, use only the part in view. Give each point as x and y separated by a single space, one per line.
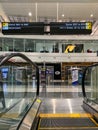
49 65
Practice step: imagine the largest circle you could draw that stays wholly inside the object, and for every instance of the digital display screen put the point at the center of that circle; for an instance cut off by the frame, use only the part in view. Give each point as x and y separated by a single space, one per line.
28 28
68 28
39 28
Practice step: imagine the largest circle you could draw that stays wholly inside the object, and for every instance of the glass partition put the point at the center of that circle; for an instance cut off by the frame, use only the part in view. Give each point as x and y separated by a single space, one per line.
48 45
18 45
7 44
91 83
18 85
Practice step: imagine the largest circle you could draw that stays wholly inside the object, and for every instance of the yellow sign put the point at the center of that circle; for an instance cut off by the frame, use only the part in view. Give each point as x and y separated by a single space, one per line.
69 48
38 100
5 26
88 25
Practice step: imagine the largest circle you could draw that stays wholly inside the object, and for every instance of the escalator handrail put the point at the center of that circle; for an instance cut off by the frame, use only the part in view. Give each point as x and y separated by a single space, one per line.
8 56
83 79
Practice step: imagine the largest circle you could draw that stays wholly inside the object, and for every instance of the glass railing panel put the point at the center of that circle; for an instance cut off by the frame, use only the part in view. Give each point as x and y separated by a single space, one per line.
14 116
18 85
91 83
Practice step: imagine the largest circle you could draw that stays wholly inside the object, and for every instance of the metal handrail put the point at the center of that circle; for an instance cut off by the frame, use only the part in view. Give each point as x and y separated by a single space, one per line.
8 56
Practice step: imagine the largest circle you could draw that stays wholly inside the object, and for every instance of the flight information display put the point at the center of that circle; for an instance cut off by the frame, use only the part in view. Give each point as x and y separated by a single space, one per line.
68 28
40 28
29 28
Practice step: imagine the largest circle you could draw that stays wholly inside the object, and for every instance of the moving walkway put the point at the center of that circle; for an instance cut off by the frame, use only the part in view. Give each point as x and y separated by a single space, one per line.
27 111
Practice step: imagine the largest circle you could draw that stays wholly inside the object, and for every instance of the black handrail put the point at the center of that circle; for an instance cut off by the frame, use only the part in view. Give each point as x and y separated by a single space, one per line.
83 86
83 79
5 57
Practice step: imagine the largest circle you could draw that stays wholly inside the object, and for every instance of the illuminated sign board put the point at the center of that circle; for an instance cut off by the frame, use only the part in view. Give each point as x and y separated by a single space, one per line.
39 28
29 28
68 28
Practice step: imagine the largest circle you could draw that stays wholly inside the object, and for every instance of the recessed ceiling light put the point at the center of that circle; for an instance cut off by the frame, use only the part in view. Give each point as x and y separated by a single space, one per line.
91 15
30 14
62 15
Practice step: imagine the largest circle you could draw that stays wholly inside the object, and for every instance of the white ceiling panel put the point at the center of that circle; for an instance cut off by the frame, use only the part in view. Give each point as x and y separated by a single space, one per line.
47 9
19 8
72 9
49 1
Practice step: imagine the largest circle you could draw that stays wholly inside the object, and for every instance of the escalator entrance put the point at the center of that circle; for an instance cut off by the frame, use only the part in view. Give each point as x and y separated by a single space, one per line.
64 114
74 121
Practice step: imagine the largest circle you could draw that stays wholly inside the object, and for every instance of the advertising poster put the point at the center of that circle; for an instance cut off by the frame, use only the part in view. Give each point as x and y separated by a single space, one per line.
74 77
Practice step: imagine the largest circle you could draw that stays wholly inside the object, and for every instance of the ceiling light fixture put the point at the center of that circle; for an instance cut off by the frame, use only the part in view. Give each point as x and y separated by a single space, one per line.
63 15
91 15
30 14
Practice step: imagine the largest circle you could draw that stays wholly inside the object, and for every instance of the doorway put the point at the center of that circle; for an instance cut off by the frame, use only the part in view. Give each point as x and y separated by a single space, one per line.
46 75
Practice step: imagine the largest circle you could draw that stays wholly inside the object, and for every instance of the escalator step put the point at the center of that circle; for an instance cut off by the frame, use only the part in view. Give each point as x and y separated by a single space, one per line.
67 123
69 128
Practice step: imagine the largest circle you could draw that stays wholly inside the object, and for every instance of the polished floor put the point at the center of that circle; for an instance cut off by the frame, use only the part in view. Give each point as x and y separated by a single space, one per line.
63 91
9 95
61 99
49 91
62 105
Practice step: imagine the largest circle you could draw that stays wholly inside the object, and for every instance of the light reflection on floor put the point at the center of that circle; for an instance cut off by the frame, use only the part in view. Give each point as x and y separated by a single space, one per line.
10 92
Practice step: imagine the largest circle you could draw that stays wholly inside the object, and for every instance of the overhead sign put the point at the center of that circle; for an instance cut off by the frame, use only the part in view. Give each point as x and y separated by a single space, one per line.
29 28
39 28
68 28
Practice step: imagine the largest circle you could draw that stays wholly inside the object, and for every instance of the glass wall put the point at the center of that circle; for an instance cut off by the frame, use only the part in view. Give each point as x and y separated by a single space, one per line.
48 46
